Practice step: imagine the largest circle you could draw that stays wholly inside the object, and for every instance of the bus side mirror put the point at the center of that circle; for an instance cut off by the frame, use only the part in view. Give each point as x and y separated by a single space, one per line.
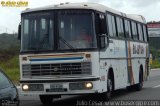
19 32
103 41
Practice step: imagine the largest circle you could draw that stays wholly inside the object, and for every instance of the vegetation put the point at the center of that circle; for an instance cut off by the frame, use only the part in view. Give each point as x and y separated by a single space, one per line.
9 50
11 68
8 41
155 64
155 51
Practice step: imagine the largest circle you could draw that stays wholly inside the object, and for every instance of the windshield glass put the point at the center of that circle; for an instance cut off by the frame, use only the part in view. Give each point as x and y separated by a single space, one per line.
37 32
71 29
76 28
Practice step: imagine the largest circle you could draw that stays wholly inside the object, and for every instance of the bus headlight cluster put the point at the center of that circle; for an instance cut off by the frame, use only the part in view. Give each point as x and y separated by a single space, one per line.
80 85
89 85
32 87
25 87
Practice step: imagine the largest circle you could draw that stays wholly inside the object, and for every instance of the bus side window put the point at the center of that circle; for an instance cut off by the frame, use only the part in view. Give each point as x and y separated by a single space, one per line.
111 25
101 24
140 32
134 31
103 29
145 33
120 28
127 29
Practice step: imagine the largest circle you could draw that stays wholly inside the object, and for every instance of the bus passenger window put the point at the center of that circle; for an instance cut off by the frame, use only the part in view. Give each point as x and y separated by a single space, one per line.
134 31
120 29
127 29
145 33
111 25
140 32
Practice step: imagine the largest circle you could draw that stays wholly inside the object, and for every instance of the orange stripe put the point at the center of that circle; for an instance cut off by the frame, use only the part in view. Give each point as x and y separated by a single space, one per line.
57 55
145 75
130 64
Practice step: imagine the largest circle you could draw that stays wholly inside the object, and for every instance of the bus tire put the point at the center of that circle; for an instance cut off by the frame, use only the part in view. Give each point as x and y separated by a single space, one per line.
46 99
139 86
107 95
129 88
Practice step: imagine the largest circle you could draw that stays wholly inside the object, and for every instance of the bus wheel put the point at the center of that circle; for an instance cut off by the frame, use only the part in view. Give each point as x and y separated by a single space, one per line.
139 86
107 95
46 99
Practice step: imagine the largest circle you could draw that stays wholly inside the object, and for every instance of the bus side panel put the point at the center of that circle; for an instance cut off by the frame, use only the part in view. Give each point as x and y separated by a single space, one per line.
123 63
115 57
138 58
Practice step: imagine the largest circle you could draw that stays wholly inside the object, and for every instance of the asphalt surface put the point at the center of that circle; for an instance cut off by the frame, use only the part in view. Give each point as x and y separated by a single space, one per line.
150 91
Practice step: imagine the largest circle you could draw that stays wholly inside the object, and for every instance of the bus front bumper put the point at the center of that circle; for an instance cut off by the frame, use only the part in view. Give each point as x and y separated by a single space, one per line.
60 87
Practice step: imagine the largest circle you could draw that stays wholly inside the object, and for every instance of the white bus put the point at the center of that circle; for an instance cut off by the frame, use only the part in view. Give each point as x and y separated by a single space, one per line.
56 60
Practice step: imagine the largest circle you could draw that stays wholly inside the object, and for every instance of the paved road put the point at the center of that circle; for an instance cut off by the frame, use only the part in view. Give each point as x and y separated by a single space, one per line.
150 91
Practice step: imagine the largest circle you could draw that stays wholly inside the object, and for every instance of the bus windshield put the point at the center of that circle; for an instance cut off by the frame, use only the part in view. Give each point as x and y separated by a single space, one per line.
37 32
71 29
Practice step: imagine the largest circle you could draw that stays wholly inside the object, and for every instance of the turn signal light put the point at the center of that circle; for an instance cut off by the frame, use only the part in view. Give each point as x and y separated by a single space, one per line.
88 55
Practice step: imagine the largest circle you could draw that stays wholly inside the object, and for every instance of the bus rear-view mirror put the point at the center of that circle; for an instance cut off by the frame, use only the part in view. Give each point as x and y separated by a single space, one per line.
19 32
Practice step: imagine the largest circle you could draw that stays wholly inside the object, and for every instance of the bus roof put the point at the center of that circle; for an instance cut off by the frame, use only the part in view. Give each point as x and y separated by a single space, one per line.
93 6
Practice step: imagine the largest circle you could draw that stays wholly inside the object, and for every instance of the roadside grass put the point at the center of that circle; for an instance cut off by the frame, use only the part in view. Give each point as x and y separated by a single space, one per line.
155 64
11 68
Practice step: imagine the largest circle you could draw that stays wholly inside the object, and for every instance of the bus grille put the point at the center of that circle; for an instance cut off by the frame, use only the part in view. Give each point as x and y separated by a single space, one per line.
83 68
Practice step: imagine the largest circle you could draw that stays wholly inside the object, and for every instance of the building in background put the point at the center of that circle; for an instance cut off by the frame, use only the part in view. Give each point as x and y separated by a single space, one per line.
154 34
154 38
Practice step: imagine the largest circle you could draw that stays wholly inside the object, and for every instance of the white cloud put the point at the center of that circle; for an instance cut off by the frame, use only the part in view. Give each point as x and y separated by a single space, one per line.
142 3
10 16
120 3
9 19
95 1
39 3
147 8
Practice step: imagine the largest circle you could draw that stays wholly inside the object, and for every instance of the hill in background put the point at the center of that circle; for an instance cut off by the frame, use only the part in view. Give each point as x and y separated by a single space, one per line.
9 46
9 51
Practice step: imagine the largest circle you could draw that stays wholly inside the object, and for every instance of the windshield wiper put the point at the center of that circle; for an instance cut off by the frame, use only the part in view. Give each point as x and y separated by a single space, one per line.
65 42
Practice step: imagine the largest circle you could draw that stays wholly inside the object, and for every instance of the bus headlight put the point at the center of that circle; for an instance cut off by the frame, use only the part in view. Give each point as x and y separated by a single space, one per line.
80 85
25 87
32 87
89 85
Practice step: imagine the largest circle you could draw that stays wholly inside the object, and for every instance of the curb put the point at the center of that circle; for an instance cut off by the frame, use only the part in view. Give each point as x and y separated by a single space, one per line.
155 69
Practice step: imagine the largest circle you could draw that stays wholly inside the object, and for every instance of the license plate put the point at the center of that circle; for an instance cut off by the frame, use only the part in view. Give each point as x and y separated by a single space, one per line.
56 86
56 90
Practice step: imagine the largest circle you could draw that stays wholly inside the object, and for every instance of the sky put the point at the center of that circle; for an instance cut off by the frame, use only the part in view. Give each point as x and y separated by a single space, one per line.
10 16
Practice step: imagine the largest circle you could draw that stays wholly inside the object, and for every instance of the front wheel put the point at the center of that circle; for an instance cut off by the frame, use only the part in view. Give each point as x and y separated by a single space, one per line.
46 99
107 95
